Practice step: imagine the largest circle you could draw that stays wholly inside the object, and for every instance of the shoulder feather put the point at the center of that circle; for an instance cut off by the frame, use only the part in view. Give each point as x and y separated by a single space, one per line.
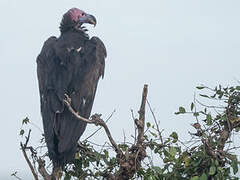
101 53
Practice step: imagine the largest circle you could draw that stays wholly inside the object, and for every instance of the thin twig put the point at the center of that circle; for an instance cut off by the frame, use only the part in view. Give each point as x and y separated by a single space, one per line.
101 127
23 148
135 128
129 162
95 119
124 137
15 175
214 107
155 120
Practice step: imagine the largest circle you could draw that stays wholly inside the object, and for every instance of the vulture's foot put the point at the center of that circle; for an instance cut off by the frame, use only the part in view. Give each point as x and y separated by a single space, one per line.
67 99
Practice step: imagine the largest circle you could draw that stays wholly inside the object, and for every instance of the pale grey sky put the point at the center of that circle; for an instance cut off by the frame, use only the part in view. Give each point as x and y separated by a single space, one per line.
171 45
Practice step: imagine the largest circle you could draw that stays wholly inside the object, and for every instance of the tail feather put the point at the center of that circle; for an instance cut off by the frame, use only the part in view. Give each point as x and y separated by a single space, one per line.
69 130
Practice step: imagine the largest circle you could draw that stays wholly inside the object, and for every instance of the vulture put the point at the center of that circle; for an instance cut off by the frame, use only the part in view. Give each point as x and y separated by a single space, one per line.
71 64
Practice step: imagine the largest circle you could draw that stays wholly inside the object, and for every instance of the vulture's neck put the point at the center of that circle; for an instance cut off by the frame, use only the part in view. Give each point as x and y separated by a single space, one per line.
66 28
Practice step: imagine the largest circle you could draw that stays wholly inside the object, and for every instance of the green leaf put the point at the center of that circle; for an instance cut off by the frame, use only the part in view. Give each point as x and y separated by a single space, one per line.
154 134
174 135
77 156
21 132
165 160
212 170
219 92
203 177
166 153
67 177
123 146
25 121
148 124
106 154
14 173
173 151
192 106
157 169
203 95
182 110
234 165
200 87
237 87
186 161
196 114
220 169
205 110
209 119
194 178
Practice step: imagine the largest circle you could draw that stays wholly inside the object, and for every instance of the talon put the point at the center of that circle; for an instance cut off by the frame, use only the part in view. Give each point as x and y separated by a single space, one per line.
68 99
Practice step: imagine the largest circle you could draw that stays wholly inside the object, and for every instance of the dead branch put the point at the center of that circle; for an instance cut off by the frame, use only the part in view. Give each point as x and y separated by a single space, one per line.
156 123
41 163
130 161
43 171
141 121
224 134
100 127
23 148
95 119
15 175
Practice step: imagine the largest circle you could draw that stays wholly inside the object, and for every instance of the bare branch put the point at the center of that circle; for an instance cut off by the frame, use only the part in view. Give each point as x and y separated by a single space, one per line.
41 163
101 127
131 161
42 170
141 121
15 175
23 148
155 120
135 128
95 119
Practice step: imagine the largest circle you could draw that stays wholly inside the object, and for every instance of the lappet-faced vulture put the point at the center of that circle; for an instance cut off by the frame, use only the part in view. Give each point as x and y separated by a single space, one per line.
70 64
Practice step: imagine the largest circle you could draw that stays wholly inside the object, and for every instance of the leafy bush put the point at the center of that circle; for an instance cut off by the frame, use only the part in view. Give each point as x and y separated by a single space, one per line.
208 154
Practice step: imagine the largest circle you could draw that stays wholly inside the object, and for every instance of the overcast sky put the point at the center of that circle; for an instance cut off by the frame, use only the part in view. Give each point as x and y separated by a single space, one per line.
172 45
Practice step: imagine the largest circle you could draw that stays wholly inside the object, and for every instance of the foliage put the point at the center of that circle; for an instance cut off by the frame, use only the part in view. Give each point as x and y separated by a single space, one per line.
208 154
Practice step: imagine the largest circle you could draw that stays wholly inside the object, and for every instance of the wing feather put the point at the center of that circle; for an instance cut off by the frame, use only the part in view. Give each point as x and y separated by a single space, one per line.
45 65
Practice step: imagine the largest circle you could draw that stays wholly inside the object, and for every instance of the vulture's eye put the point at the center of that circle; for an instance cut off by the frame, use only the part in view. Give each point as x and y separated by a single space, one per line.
83 14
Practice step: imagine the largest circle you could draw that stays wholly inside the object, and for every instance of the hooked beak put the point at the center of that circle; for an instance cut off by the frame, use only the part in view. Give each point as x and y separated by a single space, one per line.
88 18
92 20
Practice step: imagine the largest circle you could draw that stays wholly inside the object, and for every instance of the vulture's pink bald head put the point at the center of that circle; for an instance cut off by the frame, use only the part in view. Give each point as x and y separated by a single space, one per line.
75 14
75 18
80 16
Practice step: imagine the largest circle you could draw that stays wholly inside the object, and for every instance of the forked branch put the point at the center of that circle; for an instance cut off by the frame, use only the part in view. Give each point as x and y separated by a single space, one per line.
95 119
129 161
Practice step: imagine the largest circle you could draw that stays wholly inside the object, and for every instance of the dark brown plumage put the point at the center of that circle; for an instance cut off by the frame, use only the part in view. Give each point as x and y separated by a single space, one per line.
71 64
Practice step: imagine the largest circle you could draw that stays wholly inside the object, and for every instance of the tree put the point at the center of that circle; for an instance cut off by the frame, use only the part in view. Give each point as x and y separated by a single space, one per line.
208 154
